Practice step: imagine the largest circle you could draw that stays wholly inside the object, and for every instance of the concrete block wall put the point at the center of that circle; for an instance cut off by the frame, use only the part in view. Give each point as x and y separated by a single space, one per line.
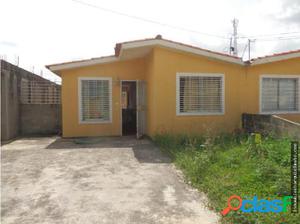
40 119
271 124
9 105
24 119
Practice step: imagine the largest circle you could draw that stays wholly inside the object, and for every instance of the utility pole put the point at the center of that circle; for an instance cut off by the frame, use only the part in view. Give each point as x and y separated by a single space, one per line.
249 48
17 60
235 25
230 46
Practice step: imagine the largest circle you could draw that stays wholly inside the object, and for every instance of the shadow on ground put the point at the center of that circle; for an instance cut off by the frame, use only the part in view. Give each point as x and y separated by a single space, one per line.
95 180
144 150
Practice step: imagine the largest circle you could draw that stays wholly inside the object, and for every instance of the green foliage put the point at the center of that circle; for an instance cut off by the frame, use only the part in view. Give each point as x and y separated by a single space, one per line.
231 164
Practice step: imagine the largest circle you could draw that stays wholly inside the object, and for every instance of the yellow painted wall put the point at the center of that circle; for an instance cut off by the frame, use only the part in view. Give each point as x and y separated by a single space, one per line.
151 93
168 63
129 70
251 90
159 70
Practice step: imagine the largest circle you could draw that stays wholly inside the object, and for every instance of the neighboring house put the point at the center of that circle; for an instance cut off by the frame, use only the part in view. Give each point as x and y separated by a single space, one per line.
158 85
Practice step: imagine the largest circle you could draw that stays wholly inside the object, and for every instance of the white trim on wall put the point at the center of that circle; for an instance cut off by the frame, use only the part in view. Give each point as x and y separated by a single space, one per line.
280 76
94 121
82 63
179 74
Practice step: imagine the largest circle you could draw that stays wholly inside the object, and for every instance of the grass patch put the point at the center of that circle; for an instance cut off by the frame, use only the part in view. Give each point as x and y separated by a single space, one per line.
234 164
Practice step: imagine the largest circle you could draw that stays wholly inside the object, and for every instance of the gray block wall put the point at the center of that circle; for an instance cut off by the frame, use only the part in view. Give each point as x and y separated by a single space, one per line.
24 119
40 119
271 125
9 106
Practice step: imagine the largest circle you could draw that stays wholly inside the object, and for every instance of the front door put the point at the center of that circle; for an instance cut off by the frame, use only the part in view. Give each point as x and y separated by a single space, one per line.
129 107
141 108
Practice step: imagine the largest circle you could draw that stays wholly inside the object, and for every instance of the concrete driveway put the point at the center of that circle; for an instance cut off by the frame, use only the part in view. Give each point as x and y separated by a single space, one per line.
97 180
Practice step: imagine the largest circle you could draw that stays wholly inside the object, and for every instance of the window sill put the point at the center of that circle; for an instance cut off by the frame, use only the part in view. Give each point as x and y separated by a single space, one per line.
95 122
279 112
200 114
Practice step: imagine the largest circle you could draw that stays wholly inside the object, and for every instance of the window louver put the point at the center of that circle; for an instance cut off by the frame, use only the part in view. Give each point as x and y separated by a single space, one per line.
199 94
280 94
95 100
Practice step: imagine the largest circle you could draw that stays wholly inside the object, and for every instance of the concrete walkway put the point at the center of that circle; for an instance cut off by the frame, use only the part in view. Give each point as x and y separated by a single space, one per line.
98 180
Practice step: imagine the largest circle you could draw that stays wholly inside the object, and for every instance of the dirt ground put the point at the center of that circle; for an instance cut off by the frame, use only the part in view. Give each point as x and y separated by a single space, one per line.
96 180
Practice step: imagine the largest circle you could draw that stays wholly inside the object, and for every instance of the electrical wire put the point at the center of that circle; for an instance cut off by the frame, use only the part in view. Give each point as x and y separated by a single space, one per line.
261 37
279 38
149 20
244 51
268 35
256 37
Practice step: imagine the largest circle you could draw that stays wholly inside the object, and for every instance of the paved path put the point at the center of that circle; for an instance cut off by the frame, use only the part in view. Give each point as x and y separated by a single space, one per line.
111 180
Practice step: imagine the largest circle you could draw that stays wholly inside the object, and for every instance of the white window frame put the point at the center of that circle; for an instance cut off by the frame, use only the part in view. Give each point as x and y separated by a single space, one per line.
183 74
278 77
94 121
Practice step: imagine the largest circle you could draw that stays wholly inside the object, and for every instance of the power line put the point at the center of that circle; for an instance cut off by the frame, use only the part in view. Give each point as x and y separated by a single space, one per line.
248 45
279 38
149 20
257 37
244 51
268 35
233 39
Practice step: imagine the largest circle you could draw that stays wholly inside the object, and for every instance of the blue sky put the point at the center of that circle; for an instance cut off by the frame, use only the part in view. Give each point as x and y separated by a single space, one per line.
51 31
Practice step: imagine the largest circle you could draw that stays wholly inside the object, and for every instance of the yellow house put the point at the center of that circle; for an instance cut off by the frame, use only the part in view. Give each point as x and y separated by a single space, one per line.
157 85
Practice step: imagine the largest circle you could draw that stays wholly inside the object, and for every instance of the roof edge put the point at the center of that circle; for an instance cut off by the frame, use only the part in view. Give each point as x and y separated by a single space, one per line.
81 63
177 46
275 57
159 41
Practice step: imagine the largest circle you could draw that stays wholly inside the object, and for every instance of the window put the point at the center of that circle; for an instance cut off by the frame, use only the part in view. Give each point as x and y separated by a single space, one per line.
95 100
279 94
200 94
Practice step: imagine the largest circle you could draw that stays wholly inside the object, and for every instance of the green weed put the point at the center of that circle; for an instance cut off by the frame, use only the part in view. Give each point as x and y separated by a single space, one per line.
231 164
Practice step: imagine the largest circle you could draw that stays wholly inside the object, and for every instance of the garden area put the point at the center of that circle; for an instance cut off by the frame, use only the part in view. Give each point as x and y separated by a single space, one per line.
235 164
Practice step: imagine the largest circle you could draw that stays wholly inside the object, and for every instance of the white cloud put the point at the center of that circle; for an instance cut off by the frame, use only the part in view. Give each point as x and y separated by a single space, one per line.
50 31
